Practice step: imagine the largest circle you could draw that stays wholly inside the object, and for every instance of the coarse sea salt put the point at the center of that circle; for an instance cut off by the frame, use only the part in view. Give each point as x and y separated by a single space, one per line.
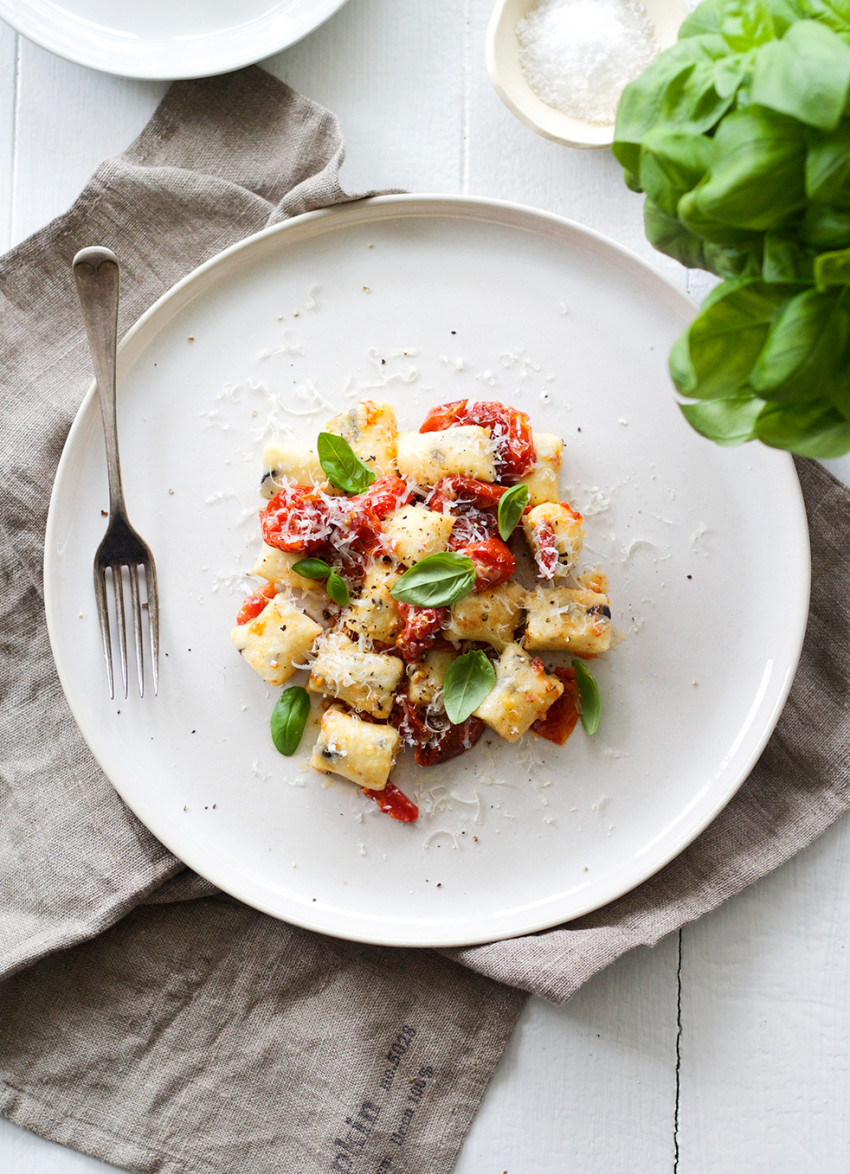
578 55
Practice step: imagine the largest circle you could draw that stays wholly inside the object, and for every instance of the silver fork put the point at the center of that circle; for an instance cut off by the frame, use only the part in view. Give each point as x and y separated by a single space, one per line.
96 273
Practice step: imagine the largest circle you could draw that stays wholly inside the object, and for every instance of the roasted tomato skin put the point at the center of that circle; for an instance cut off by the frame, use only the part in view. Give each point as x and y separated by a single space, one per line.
432 745
546 555
468 491
560 719
445 416
421 629
296 520
494 563
394 802
252 605
356 523
385 495
510 426
474 506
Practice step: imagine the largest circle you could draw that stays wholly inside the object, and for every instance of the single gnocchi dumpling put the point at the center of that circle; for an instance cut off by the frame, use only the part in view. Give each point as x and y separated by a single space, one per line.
425 678
371 431
374 613
276 566
467 451
414 531
358 750
544 477
568 619
276 641
492 616
366 680
291 464
523 692
555 535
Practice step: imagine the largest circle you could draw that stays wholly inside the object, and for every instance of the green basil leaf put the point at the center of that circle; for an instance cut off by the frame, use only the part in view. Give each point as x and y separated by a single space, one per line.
725 339
725 421
337 589
786 259
672 162
729 262
756 180
677 90
511 505
831 269
806 75
828 167
825 227
746 23
289 717
707 18
312 568
805 348
437 580
669 235
591 703
835 14
817 430
470 678
342 466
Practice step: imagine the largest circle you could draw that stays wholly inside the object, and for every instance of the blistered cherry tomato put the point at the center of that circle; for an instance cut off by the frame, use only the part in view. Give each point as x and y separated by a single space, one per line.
296 519
509 426
252 605
434 739
474 506
468 491
385 495
421 629
546 555
560 719
394 802
494 563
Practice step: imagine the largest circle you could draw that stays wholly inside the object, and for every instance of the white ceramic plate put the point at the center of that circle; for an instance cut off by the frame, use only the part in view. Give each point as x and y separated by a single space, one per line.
163 39
422 300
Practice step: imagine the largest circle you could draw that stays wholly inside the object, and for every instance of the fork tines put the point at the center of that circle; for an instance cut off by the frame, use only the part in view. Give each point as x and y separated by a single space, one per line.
120 573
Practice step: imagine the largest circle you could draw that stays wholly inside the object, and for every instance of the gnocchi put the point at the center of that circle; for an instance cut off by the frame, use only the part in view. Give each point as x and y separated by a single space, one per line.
343 545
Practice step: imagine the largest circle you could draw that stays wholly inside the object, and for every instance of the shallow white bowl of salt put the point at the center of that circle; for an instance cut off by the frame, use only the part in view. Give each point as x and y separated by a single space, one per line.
561 65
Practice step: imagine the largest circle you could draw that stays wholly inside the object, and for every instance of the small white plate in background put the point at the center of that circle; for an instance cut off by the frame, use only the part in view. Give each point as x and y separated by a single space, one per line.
164 39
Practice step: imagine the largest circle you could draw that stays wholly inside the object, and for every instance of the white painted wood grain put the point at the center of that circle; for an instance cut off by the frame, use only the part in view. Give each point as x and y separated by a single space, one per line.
24 1153
393 74
8 112
765 1044
69 119
588 1088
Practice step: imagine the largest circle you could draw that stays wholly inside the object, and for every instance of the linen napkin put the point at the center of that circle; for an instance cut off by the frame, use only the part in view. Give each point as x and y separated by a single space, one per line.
147 1019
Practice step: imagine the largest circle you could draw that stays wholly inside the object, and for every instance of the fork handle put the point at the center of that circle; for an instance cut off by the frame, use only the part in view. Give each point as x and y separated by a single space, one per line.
96 273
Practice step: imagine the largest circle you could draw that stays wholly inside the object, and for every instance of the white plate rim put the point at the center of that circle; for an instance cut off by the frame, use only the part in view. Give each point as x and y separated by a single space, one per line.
499 211
270 37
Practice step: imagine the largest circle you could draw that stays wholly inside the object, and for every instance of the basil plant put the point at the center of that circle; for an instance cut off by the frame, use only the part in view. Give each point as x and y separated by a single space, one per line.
740 137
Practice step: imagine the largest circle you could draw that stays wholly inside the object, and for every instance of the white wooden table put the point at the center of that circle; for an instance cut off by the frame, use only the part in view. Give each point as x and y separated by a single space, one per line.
727 1048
